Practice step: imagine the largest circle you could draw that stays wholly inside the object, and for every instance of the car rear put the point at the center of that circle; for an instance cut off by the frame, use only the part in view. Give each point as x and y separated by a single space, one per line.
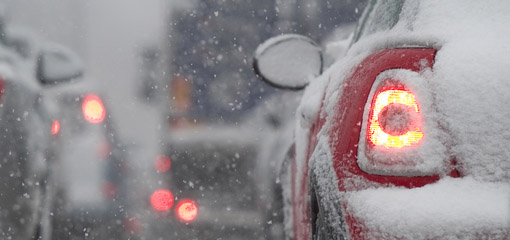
93 170
429 157
209 172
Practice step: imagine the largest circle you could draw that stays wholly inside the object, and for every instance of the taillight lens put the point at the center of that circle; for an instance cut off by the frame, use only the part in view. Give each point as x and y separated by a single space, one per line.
394 120
399 136
162 200
187 210
93 109
162 163
55 127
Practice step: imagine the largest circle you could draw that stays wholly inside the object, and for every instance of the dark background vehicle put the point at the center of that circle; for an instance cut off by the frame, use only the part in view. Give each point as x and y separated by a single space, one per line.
94 173
213 168
27 163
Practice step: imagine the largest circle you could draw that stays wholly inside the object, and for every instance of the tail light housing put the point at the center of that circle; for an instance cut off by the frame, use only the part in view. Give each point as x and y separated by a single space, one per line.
399 135
355 157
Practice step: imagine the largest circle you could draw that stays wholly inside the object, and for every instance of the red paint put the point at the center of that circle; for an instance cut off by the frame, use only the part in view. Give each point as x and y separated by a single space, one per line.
345 133
352 102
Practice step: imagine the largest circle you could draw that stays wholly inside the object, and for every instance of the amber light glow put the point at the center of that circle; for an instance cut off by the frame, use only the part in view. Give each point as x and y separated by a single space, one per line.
162 200
55 127
93 109
187 210
394 120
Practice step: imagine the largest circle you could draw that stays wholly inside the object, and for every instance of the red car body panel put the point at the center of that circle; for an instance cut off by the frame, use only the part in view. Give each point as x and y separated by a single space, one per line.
352 102
345 135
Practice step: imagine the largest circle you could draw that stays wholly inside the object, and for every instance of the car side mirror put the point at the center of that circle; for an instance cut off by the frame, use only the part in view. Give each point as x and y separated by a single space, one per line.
288 61
56 64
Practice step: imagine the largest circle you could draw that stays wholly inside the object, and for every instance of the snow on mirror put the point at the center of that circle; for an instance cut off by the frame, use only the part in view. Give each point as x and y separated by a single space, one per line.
288 61
57 64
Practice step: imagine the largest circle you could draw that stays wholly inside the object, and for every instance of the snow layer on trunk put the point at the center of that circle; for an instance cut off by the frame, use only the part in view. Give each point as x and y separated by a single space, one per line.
450 208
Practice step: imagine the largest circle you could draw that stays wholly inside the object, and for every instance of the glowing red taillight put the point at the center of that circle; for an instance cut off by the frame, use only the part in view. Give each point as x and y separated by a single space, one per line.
187 210
55 127
162 163
162 200
394 121
93 109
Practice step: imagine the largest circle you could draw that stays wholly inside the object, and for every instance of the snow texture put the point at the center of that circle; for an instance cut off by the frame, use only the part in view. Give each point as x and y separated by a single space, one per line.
450 209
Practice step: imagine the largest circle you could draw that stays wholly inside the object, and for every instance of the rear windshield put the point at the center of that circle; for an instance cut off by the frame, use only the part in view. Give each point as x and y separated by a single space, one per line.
379 16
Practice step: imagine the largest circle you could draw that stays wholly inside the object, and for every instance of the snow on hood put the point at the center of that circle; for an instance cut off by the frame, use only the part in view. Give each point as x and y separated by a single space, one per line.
451 208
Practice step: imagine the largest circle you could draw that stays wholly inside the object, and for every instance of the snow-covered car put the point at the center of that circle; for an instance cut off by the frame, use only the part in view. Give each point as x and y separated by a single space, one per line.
406 135
25 123
207 184
94 173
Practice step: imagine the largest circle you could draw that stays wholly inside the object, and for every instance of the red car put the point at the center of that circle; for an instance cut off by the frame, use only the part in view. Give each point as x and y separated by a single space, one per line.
406 135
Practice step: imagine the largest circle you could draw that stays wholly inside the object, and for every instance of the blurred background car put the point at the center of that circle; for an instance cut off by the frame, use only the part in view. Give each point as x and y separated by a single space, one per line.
208 173
26 67
94 172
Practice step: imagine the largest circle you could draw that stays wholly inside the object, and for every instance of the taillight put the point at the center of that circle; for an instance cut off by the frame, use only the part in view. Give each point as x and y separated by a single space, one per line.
187 210
162 200
162 163
93 109
394 121
55 127
399 134
109 190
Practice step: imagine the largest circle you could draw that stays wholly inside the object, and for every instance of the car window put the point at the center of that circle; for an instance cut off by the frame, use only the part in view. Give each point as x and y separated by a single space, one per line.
379 16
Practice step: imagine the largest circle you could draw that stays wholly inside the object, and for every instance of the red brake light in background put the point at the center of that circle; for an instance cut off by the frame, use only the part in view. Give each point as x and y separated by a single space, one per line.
162 200
162 163
109 190
187 210
394 121
93 109
55 127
